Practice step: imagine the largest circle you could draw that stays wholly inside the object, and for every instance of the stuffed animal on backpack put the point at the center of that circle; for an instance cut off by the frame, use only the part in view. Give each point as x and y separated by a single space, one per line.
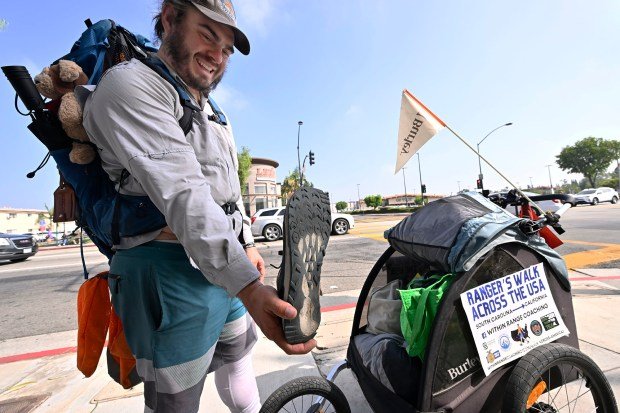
57 82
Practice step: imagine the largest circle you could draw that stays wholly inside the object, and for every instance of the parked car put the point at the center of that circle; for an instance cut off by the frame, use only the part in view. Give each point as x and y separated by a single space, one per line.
16 247
594 196
500 199
38 236
268 222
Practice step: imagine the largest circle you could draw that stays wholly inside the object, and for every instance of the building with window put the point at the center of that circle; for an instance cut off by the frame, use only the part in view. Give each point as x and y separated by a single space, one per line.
23 221
262 189
401 200
20 221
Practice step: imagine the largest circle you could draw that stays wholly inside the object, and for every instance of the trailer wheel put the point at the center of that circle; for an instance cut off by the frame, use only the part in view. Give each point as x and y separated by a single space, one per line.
309 395
558 378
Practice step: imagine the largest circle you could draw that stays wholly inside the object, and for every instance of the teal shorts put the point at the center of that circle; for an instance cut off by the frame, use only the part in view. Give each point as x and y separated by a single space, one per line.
178 325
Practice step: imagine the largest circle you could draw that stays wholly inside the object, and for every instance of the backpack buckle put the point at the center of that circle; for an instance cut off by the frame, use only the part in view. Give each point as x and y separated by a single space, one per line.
229 208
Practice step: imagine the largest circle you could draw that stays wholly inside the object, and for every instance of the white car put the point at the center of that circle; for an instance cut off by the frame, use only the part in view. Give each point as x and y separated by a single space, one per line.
594 196
269 222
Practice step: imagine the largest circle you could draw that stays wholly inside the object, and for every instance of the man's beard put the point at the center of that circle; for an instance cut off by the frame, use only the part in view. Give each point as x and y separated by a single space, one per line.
181 58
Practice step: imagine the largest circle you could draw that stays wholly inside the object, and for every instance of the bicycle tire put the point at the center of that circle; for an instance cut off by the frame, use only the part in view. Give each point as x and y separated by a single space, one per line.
306 386
541 367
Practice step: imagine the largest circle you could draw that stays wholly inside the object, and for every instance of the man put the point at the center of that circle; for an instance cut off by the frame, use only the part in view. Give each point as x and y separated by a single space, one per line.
181 322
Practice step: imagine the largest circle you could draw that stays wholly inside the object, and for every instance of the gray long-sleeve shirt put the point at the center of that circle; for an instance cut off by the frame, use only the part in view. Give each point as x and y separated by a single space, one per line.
132 117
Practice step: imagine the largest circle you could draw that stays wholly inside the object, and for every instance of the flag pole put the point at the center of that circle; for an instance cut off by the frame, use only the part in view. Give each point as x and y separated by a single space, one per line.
496 170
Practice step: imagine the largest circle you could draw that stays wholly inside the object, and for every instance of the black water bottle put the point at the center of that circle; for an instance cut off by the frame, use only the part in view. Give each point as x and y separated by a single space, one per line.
24 86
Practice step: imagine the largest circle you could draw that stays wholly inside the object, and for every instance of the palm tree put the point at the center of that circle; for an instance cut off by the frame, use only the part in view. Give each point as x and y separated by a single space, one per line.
291 183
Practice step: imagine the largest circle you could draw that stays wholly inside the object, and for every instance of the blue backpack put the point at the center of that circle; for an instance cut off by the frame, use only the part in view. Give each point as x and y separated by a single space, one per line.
103 212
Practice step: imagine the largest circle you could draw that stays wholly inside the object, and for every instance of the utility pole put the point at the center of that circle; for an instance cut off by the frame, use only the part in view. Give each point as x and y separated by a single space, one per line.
359 200
550 181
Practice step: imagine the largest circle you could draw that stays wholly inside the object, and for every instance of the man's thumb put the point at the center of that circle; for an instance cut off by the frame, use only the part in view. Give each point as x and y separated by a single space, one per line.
285 310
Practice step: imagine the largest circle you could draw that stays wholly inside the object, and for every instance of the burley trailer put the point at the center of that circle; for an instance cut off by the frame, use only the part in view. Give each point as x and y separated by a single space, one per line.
478 242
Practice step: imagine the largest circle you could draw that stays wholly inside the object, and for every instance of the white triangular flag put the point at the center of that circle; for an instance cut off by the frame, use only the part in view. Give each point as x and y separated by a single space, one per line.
417 126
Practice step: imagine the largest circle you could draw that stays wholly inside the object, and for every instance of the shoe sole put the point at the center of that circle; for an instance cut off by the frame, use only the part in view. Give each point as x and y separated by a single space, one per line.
307 226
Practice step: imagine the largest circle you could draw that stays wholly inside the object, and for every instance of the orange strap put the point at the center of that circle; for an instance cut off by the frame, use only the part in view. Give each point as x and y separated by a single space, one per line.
122 363
93 305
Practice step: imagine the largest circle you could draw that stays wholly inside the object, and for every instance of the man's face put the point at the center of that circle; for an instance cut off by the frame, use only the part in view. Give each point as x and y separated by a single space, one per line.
199 49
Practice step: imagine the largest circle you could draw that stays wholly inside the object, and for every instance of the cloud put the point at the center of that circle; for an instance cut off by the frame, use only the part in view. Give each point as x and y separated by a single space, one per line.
387 169
259 14
353 110
229 98
33 67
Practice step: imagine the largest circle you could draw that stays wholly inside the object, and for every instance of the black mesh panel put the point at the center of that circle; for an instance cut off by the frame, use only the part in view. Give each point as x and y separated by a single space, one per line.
457 355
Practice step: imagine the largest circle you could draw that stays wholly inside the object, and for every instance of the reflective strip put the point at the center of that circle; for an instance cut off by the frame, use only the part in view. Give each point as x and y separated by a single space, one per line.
177 378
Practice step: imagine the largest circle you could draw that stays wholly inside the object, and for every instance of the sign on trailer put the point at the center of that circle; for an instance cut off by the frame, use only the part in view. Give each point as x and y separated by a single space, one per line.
511 315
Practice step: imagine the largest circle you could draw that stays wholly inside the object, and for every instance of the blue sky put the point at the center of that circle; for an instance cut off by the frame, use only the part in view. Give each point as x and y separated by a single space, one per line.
549 67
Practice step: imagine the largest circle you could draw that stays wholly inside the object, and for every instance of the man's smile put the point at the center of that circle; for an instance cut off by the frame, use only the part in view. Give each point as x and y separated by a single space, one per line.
204 65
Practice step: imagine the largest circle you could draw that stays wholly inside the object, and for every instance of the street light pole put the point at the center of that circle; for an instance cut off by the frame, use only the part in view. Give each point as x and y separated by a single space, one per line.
405 185
478 146
420 172
550 181
303 170
298 157
459 184
359 200
531 184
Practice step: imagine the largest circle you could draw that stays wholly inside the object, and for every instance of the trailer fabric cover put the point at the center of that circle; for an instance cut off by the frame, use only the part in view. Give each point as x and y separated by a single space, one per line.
386 358
452 233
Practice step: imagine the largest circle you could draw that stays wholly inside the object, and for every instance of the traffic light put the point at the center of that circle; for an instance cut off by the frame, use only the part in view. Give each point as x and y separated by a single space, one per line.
479 183
423 188
311 155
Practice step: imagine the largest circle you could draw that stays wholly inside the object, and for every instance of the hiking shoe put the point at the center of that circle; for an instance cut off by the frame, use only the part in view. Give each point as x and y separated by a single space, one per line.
307 225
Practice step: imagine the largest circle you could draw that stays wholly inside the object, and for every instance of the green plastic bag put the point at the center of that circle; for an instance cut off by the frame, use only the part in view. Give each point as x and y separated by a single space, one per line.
420 303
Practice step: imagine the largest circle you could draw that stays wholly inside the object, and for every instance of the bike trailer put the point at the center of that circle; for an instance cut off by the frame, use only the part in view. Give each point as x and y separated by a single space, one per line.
477 242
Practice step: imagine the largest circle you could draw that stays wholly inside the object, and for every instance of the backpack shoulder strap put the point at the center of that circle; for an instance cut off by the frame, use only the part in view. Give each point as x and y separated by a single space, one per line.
218 116
155 64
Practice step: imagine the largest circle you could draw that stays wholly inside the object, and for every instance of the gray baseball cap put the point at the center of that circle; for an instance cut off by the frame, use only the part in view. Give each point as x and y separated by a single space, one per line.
222 11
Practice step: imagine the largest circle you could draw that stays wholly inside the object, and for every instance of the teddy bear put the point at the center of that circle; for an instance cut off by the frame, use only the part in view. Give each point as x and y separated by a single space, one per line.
58 82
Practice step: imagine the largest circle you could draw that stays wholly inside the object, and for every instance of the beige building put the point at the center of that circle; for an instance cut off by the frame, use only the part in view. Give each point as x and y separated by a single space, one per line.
262 189
400 200
20 221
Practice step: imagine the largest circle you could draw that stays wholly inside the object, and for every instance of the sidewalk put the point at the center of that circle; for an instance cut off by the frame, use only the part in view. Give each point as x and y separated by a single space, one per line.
39 374
52 383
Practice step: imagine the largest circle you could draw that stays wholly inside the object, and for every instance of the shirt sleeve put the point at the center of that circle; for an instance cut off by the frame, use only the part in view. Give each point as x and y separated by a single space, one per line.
133 117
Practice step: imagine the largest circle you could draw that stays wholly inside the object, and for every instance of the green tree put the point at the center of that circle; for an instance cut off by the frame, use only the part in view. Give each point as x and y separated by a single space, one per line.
50 214
341 205
615 149
291 183
374 201
590 157
245 164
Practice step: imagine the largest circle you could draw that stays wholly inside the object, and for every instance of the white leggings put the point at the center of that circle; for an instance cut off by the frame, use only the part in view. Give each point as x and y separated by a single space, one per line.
236 385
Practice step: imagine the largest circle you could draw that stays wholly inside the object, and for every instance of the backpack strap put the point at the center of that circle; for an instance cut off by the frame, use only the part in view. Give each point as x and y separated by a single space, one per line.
186 123
155 64
218 116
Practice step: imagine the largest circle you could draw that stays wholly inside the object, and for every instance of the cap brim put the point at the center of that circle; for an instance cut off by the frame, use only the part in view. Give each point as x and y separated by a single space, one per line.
241 41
